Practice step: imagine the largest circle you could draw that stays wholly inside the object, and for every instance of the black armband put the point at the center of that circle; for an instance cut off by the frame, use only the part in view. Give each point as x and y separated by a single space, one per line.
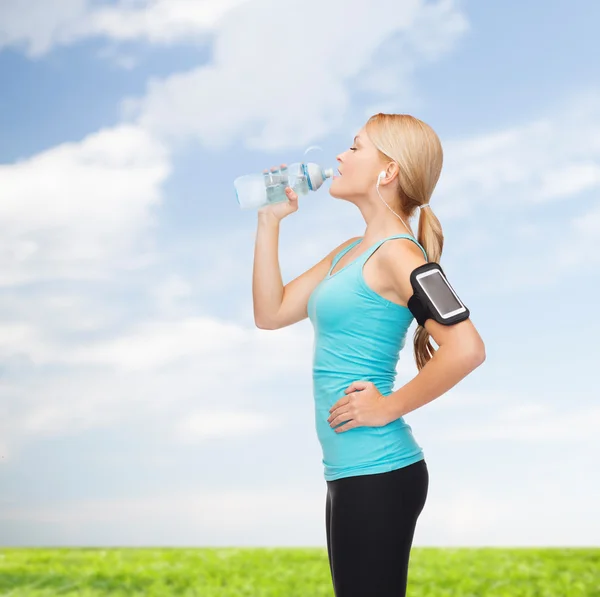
433 297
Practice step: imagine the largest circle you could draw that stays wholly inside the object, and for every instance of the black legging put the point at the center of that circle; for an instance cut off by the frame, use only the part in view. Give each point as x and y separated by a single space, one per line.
371 522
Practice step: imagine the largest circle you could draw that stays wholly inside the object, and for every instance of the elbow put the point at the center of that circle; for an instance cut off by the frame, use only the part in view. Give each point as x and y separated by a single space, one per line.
263 325
259 320
267 321
468 356
476 356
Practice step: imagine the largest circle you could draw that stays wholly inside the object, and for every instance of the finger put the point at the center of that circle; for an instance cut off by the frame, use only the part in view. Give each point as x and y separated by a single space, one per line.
339 417
339 420
349 425
291 194
339 403
356 385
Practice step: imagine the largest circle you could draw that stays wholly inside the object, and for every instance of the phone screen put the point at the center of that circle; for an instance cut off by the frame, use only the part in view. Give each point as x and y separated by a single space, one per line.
440 293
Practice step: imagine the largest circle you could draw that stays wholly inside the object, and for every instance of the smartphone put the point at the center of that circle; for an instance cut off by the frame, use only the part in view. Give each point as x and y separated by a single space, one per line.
440 293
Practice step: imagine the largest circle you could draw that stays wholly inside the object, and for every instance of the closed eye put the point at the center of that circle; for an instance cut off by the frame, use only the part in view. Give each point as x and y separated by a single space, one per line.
353 148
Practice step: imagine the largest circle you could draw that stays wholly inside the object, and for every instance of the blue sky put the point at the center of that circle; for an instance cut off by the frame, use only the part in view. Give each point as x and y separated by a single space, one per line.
139 405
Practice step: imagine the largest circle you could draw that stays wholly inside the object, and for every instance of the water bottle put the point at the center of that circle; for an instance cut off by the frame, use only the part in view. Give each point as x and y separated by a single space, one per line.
254 191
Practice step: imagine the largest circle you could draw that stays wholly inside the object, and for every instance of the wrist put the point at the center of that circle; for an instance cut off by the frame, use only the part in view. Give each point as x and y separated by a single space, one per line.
393 408
268 218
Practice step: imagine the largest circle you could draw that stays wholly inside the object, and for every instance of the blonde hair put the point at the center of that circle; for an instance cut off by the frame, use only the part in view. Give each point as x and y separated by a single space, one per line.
417 150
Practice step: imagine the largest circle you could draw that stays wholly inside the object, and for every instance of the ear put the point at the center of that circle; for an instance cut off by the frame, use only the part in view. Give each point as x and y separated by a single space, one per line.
386 176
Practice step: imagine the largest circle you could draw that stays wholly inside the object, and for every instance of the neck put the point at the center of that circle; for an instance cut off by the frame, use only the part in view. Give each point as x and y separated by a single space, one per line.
380 221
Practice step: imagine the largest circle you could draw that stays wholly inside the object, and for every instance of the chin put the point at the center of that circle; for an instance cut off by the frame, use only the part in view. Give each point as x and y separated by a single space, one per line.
333 191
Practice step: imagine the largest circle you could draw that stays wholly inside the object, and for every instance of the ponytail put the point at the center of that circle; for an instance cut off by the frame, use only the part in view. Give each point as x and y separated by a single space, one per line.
431 238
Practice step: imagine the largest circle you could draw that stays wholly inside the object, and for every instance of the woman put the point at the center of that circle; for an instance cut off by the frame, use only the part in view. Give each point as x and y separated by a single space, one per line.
356 298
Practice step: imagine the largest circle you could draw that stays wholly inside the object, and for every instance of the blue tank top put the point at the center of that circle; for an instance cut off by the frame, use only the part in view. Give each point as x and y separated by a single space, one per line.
358 336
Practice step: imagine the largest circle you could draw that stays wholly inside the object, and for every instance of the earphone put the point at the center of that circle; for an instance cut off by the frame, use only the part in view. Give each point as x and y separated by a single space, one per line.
381 175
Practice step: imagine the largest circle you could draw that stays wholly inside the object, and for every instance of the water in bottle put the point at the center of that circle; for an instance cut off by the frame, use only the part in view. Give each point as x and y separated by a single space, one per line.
254 191
275 182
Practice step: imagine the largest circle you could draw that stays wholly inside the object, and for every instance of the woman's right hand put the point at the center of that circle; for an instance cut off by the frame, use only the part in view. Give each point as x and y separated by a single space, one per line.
284 208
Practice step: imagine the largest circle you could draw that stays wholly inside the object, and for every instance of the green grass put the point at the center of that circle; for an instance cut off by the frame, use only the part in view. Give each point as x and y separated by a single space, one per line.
289 572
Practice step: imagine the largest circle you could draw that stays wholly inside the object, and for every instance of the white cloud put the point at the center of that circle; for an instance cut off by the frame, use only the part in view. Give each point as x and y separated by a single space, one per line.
202 506
466 515
570 180
207 425
68 210
433 32
39 26
554 157
529 515
158 21
532 423
218 516
171 371
581 247
473 514
218 345
274 92
551 251
171 293
156 344
498 186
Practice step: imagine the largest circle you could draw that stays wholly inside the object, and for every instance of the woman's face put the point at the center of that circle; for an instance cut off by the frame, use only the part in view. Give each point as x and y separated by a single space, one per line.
358 168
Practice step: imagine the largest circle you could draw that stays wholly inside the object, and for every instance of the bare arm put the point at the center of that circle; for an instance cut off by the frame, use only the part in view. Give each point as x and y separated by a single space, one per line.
461 349
275 305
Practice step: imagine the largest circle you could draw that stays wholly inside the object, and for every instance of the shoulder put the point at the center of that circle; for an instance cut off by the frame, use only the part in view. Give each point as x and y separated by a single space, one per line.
350 241
399 257
342 246
328 259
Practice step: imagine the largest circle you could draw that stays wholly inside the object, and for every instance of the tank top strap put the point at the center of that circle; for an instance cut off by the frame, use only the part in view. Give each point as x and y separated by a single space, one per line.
372 249
342 253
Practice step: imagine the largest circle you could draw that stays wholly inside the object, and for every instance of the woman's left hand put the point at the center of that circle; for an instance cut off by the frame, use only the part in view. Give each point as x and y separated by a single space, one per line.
363 406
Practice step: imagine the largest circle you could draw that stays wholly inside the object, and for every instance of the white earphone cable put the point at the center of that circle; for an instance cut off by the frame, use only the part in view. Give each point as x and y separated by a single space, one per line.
384 201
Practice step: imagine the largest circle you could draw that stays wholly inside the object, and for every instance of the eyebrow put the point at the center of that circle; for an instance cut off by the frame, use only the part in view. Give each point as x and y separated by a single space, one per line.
355 138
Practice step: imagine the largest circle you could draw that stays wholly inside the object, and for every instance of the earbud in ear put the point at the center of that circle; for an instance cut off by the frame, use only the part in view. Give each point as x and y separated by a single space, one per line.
381 175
